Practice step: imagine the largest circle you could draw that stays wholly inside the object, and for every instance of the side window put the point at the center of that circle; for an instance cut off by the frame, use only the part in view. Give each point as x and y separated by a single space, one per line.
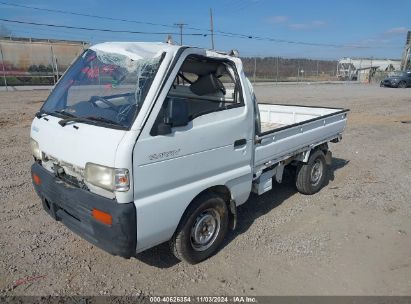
204 85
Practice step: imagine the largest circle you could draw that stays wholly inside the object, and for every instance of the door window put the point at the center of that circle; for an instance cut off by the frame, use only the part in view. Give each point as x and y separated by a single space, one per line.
205 85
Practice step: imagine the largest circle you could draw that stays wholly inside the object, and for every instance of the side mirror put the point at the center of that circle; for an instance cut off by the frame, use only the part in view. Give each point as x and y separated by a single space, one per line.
176 115
163 128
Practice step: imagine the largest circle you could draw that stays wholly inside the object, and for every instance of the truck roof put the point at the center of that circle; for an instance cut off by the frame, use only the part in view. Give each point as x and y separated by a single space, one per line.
139 50
136 50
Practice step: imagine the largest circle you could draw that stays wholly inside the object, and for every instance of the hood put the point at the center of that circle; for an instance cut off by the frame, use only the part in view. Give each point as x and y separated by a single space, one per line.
392 77
76 143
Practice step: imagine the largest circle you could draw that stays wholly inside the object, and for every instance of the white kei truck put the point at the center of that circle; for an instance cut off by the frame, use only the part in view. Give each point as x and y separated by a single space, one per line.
142 143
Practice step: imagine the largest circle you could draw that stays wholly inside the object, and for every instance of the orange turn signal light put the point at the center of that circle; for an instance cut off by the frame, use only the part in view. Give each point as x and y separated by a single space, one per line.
102 217
36 179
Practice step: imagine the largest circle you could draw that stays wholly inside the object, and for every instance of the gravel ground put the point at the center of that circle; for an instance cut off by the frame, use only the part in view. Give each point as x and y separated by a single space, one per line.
352 238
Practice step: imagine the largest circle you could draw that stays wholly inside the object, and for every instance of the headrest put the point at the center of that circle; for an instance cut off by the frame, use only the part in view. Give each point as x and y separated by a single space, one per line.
206 84
221 70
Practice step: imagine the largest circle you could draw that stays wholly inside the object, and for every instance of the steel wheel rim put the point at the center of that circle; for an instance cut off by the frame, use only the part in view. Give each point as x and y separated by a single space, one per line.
205 229
316 172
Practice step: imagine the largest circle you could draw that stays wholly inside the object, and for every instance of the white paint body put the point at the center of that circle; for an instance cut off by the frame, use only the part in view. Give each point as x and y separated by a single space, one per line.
169 171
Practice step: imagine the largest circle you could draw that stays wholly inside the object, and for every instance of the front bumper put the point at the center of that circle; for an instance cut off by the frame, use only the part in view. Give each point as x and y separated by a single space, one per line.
389 84
73 207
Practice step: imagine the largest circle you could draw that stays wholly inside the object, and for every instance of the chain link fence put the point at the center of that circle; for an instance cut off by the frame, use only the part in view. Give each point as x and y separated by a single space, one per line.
277 69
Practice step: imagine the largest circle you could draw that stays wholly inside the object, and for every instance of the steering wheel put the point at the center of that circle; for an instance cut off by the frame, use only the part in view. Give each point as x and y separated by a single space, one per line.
112 106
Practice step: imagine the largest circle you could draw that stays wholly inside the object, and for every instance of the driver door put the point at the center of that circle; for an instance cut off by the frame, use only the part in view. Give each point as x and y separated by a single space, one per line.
214 148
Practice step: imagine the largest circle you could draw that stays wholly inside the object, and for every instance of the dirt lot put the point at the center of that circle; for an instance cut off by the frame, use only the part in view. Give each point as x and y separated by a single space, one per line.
352 238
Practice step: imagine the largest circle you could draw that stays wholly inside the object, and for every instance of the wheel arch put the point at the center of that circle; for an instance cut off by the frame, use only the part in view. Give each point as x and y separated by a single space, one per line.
222 191
226 194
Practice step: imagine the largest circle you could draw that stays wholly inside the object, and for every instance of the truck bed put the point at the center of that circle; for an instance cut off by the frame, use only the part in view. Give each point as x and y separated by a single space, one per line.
286 130
268 126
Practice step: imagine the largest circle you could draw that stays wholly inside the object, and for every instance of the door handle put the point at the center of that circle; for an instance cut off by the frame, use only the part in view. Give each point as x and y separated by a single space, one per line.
240 142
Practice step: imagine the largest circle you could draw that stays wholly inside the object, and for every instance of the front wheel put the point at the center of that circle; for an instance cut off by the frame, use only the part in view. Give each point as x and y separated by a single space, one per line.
310 177
202 229
402 85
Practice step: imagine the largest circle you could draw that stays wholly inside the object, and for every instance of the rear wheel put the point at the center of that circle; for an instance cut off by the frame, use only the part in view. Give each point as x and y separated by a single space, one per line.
402 85
201 230
310 177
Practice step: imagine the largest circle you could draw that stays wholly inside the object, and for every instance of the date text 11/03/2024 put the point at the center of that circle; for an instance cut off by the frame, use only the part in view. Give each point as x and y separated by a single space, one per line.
203 299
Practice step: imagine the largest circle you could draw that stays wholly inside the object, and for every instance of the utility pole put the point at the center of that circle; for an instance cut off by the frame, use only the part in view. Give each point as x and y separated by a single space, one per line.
4 70
57 69
56 76
370 74
255 67
52 64
359 71
180 25
277 69
212 29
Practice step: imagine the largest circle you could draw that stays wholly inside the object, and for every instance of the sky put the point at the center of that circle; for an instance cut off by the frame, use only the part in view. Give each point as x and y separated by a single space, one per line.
360 28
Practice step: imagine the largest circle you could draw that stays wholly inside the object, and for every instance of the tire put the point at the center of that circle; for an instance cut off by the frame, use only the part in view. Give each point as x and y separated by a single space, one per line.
402 85
192 245
310 177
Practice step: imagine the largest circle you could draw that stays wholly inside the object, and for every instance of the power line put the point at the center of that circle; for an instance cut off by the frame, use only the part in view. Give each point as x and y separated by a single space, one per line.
17 28
114 19
83 15
216 32
193 34
100 29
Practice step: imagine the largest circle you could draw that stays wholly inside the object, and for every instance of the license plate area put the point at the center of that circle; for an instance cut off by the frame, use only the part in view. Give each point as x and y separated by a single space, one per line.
51 208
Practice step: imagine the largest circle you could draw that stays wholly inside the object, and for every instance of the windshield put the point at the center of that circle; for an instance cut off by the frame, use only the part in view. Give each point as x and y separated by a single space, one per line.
105 87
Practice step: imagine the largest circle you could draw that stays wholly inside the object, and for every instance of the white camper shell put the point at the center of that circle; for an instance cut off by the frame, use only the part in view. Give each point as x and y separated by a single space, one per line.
142 143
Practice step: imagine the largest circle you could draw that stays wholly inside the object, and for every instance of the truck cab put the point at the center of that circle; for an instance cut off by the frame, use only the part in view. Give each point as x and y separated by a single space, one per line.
142 143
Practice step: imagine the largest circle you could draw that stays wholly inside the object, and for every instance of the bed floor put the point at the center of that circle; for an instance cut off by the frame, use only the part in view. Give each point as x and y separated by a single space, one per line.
268 126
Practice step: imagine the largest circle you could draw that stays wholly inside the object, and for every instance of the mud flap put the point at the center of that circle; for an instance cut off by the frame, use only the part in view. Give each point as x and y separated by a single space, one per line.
328 157
233 218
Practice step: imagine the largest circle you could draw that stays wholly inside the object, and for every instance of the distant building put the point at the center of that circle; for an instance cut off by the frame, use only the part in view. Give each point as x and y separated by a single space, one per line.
362 69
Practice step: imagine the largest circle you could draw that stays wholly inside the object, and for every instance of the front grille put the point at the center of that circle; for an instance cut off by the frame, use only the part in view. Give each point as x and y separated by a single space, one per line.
71 180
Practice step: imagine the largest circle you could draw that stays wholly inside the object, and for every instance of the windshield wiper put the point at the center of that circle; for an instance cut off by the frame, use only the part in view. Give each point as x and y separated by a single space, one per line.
63 112
40 114
103 119
64 122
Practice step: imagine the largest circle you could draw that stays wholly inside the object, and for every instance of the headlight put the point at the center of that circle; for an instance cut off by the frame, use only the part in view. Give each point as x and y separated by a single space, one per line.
35 150
107 178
